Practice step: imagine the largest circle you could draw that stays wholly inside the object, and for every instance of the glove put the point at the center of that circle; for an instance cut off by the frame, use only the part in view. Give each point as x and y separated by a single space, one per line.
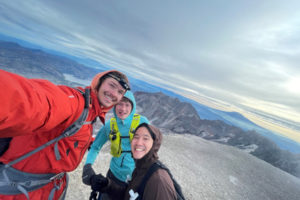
87 173
98 182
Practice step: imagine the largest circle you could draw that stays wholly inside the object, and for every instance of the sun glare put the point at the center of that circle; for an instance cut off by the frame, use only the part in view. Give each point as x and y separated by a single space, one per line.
293 85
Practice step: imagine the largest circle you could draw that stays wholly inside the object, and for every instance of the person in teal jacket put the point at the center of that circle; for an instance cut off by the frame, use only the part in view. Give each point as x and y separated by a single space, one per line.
118 131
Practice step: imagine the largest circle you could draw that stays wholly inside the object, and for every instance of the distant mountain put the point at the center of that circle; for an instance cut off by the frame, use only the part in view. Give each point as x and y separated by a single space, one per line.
230 118
35 63
181 117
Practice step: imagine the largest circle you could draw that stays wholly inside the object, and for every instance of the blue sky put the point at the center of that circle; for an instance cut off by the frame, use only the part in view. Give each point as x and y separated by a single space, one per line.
235 55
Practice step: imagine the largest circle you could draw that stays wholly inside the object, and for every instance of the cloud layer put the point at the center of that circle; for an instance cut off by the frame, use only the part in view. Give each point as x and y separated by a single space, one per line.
242 53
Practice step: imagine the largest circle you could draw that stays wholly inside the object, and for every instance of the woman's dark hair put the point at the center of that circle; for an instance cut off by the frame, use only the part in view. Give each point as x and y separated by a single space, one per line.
148 128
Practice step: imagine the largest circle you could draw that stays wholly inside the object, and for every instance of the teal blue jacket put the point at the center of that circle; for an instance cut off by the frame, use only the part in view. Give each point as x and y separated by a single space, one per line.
121 166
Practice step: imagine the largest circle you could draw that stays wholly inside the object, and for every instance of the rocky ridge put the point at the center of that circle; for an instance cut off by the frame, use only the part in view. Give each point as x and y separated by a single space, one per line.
181 117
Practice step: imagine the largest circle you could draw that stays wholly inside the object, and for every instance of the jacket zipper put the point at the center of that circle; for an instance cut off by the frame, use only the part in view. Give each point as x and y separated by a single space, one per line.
122 160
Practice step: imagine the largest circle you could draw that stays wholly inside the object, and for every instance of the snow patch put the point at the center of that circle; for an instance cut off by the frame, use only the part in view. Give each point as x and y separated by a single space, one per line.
222 140
233 180
70 77
248 149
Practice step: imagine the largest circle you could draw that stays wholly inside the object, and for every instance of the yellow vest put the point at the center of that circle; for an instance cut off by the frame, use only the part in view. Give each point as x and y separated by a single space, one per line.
115 135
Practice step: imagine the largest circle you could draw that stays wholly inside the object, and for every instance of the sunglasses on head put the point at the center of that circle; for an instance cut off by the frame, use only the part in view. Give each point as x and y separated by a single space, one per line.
122 82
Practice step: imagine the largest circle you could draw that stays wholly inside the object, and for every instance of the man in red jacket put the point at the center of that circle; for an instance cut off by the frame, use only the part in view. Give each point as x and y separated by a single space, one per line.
34 112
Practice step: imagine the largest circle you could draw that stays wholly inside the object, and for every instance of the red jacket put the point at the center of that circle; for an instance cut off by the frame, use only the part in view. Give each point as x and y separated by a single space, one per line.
35 111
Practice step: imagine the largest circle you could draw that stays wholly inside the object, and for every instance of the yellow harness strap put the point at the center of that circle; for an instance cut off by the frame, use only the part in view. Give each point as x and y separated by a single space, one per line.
115 135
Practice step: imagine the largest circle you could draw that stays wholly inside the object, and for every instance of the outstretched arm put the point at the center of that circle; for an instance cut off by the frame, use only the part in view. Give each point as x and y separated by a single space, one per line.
28 105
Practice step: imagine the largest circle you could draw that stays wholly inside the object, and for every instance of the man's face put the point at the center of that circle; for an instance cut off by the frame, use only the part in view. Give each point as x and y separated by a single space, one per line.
110 92
141 143
123 109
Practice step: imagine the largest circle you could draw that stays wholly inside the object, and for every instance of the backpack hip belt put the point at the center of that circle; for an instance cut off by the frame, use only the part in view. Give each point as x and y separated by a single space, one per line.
13 182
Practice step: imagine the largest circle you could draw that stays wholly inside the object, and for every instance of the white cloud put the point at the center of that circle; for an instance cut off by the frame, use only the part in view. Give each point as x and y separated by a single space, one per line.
230 51
293 85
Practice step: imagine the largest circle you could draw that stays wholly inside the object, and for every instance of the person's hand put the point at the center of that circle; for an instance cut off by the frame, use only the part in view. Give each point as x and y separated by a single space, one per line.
98 182
87 174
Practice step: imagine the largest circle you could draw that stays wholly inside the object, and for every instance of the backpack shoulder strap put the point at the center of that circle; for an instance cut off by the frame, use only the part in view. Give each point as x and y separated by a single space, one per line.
151 170
71 130
32 182
177 187
134 124
149 173
113 125
115 138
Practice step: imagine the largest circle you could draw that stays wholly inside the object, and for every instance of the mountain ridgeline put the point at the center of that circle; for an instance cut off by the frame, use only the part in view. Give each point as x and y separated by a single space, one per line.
39 64
180 117
164 111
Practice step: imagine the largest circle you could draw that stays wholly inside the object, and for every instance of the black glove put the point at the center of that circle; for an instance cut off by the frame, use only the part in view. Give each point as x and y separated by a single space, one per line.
87 173
98 182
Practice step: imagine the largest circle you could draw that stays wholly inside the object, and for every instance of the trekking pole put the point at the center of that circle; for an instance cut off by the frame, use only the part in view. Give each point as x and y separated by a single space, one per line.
93 195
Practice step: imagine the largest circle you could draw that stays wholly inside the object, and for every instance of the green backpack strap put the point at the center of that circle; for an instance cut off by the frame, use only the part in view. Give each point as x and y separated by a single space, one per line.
115 135
134 124
115 138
